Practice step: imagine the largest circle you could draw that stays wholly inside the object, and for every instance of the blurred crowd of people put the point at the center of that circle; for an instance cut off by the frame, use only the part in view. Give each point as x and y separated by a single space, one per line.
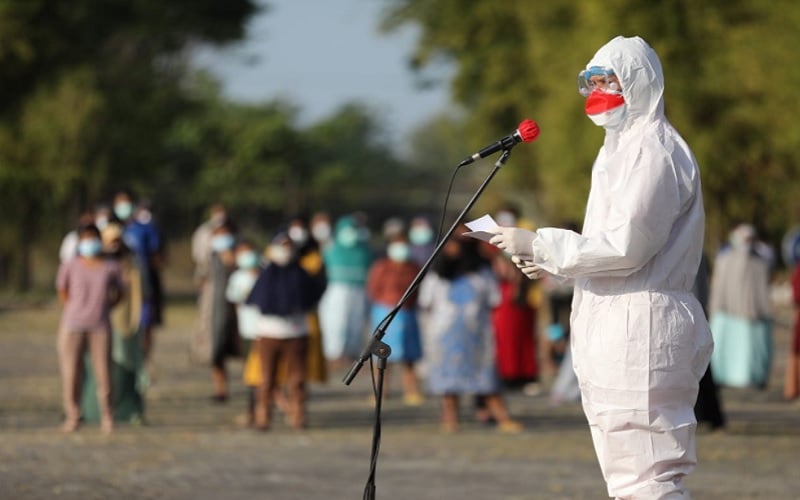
305 303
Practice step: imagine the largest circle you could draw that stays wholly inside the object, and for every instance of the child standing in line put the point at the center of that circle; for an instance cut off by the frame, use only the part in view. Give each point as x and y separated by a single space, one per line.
88 286
239 286
284 294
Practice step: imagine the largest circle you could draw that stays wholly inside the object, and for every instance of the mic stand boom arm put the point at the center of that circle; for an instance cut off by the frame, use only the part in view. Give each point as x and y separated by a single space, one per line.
376 347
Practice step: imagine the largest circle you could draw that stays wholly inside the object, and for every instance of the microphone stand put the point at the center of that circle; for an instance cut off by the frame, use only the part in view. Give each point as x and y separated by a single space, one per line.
376 347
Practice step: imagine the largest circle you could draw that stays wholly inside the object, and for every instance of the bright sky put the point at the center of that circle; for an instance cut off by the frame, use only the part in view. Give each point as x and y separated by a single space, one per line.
321 54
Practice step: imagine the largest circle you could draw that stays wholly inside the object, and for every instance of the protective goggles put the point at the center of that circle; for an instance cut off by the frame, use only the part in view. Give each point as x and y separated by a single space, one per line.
597 78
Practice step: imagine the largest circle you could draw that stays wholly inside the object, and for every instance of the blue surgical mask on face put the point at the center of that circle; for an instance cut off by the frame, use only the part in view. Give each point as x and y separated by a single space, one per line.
123 209
101 221
347 236
222 242
321 231
398 251
420 235
90 247
247 260
298 235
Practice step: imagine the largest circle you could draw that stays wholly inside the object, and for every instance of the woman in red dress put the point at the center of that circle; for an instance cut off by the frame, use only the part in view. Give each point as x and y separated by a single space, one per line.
514 321
791 388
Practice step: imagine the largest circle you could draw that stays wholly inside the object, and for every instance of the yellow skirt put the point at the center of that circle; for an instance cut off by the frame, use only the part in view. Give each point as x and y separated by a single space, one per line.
316 369
252 374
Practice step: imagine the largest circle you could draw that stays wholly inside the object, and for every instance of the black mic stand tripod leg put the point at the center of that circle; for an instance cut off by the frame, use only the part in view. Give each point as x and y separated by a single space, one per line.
381 351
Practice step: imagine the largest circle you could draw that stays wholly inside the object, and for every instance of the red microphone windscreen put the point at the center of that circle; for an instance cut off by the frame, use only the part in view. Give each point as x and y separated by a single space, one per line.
528 130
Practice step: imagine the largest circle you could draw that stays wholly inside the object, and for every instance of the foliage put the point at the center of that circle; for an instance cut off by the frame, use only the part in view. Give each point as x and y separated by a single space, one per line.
265 168
98 95
729 65
89 88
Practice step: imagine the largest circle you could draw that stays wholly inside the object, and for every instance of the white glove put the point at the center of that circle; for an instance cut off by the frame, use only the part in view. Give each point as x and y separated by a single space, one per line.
518 242
528 268
531 270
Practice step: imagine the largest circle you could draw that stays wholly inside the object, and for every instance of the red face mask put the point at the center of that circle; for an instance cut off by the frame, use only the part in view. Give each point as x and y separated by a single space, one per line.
600 101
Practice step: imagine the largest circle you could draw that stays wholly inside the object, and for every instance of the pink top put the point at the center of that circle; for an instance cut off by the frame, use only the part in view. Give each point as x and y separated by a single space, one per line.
88 287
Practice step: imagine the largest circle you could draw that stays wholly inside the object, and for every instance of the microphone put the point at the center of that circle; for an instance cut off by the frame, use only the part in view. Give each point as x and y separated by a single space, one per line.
527 131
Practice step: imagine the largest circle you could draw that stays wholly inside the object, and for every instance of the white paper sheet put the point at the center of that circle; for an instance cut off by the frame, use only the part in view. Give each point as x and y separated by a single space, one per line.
480 228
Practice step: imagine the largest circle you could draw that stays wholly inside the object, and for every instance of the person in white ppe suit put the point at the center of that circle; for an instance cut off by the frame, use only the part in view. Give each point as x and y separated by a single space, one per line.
640 340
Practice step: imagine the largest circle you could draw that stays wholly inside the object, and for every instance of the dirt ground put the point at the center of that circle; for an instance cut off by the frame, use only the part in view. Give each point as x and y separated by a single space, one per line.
192 449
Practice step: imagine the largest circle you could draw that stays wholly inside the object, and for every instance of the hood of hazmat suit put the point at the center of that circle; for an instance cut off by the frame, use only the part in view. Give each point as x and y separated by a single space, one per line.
640 339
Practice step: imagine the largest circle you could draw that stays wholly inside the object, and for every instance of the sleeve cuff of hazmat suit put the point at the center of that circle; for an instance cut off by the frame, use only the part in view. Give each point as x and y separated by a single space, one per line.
556 251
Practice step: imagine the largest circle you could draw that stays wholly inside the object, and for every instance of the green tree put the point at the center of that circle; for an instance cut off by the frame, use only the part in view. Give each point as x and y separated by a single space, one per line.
266 168
729 69
90 89
351 162
245 156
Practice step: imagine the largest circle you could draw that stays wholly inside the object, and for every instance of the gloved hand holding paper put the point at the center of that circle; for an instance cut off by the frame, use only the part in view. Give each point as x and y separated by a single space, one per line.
513 240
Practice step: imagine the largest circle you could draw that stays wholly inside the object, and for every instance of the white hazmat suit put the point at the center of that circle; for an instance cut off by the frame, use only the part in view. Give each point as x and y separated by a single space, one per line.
640 339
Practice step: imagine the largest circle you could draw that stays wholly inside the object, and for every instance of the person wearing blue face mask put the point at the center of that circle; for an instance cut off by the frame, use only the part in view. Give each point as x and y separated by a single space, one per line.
241 281
343 308
240 284
284 293
420 235
387 281
69 245
223 328
144 240
128 378
88 286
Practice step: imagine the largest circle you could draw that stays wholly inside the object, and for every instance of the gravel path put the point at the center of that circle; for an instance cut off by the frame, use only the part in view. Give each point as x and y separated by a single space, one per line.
191 449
